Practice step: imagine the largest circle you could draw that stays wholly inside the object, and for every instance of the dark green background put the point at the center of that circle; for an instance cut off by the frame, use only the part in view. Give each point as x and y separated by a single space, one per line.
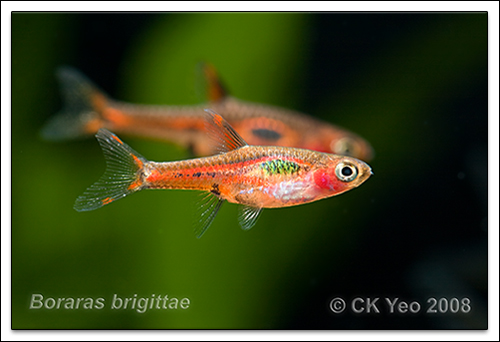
414 85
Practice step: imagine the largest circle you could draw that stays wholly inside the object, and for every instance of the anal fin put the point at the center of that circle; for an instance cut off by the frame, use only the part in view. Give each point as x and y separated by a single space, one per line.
248 216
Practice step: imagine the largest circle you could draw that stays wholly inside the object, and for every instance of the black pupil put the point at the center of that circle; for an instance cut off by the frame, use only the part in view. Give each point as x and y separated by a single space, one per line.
346 171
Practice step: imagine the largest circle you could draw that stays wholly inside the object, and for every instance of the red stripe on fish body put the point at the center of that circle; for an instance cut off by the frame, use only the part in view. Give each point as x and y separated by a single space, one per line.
252 175
255 176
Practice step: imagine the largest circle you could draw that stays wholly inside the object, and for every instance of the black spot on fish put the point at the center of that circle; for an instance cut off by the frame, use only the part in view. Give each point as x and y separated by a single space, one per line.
215 189
212 174
197 174
267 134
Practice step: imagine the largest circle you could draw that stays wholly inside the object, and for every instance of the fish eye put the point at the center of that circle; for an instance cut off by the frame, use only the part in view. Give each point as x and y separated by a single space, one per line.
345 146
346 172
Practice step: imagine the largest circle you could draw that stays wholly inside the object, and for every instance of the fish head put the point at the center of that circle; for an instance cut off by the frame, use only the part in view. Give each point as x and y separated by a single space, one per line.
339 174
336 140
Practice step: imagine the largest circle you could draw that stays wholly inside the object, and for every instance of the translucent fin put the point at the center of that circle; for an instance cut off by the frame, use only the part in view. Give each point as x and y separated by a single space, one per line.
209 207
248 216
80 115
214 88
224 136
122 177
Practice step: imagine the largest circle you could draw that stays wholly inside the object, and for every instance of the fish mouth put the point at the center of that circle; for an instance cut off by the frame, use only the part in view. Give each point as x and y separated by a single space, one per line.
365 172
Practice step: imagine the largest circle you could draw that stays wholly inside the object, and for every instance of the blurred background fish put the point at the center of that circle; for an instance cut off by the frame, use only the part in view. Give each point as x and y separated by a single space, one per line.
87 109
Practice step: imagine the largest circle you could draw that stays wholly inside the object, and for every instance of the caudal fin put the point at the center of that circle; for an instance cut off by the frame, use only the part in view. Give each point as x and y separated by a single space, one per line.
123 175
82 105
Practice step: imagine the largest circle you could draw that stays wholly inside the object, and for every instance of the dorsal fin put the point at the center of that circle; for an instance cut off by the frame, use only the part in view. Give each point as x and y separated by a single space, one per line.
216 91
225 137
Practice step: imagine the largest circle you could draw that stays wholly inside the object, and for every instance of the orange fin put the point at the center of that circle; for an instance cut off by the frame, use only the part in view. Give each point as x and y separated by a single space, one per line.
83 102
214 88
122 177
226 138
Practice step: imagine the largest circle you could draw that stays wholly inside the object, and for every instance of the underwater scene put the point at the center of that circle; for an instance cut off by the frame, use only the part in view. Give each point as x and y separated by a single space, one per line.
274 170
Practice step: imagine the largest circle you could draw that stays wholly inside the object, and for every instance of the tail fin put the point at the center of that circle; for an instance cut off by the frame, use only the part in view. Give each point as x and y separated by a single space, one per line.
80 116
123 175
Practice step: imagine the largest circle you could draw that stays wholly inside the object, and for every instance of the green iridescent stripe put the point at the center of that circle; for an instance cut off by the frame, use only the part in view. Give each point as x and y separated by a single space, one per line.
279 166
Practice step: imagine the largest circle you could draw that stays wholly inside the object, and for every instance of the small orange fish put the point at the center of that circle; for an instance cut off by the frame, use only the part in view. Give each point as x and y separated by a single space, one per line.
256 177
88 109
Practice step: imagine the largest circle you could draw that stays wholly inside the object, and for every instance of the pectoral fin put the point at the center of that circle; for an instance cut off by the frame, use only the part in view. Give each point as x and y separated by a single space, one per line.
209 207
